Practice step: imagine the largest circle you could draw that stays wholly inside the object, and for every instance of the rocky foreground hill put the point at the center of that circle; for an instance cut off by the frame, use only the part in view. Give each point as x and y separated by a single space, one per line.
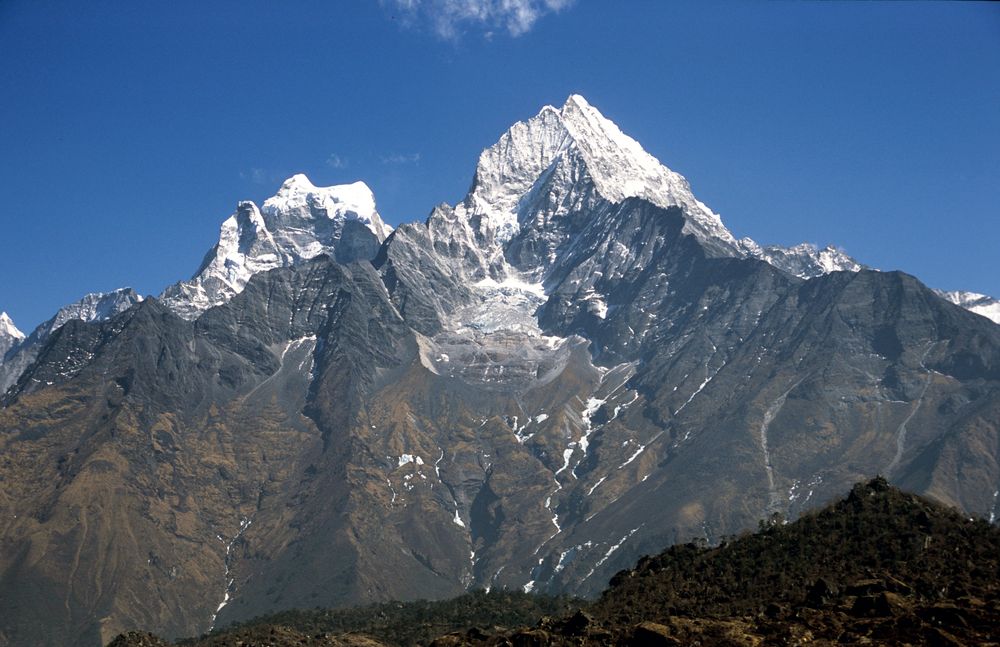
878 567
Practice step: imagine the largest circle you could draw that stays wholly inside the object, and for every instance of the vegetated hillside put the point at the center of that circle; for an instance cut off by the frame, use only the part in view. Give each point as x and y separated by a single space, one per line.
410 623
881 564
880 567
391 623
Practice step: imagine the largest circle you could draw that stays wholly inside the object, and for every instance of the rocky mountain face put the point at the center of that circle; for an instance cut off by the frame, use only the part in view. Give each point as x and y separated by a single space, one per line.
576 365
807 261
97 306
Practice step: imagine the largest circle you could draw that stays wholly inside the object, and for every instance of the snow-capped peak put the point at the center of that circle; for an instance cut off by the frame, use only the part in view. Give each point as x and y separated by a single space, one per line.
8 329
10 336
96 306
573 145
301 221
621 168
298 196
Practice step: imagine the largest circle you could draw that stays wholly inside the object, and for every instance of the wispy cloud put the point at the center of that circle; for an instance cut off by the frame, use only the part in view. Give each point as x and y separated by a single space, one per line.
401 158
447 18
263 176
258 175
255 175
336 161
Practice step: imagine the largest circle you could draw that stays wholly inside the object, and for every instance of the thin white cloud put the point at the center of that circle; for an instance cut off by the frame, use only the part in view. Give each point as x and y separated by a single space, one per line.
255 175
447 18
262 176
401 158
336 161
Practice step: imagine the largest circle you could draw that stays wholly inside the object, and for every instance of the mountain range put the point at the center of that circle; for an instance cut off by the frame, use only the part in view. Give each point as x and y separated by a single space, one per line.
576 365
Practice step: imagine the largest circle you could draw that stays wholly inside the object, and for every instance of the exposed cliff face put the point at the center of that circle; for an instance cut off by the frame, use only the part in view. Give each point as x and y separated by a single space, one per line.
574 366
157 441
97 306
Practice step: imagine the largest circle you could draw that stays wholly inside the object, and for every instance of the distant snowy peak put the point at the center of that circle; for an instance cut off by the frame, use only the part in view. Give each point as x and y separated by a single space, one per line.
804 260
96 306
570 152
301 204
7 327
808 261
10 336
245 248
300 222
508 170
981 304
621 168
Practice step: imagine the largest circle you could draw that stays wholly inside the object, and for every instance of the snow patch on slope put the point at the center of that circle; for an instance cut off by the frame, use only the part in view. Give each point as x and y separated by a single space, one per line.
494 337
229 580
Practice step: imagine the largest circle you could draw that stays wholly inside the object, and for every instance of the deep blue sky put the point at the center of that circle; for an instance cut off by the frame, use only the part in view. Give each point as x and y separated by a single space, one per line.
129 130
